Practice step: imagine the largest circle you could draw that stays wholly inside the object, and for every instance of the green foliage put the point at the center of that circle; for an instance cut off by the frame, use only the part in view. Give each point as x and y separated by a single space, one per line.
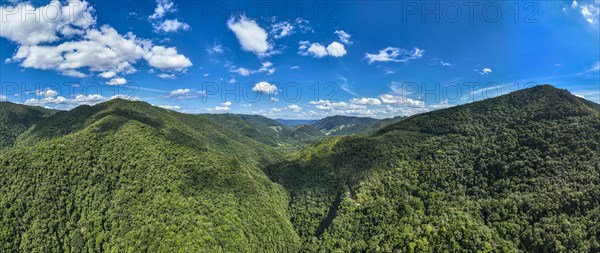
16 119
343 125
514 173
125 176
517 173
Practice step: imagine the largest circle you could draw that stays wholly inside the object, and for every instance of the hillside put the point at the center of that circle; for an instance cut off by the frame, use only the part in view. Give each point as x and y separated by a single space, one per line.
343 125
127 176
16 119
296 122
519 172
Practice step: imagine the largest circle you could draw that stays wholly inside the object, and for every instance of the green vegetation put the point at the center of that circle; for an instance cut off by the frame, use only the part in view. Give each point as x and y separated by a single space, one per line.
343 125
16 119
126 176
516 173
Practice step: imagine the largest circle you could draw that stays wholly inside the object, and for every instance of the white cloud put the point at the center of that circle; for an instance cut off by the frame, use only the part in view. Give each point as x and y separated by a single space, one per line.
167 59
126 97
294 67
167 76
336 49
241 71
251 36
162 7
184 94
400 100
294 108
84 47
117 81
282 29
366 101
46 93
222 108
3 98
107 74
393 54
170 107
266 67
438 61
88 99
574 4
180 92
28 25
227 103
171 25
590 12
232 80
343 37
327 105
317 50
265 88
101 50
216 48
485 71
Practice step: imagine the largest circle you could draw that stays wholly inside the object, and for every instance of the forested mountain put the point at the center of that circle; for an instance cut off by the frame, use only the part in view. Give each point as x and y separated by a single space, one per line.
343 125
296 122
518 172
16 119
127 176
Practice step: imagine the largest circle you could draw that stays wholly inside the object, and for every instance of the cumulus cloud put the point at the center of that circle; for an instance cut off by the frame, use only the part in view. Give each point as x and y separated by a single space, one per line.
266 67
117 81
335 49
343 37
170 107
293 108
221 108
241 71
107 74
161 25
167 76
366 101
171 25
27 25
167 58
251 36
88 99
180 92
484 71
226 103
400 100
265 88
393 54
73 46
46 93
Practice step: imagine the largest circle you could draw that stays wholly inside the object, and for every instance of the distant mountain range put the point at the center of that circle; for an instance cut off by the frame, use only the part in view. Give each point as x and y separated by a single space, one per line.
515 173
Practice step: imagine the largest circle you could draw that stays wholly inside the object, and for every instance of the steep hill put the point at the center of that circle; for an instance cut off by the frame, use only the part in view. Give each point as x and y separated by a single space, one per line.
126 176
518 172
16 119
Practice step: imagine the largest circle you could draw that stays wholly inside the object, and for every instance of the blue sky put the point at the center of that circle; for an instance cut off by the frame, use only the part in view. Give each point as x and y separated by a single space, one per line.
294 59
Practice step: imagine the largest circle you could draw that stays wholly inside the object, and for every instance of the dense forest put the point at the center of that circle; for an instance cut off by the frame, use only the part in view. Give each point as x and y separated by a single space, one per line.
515 173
